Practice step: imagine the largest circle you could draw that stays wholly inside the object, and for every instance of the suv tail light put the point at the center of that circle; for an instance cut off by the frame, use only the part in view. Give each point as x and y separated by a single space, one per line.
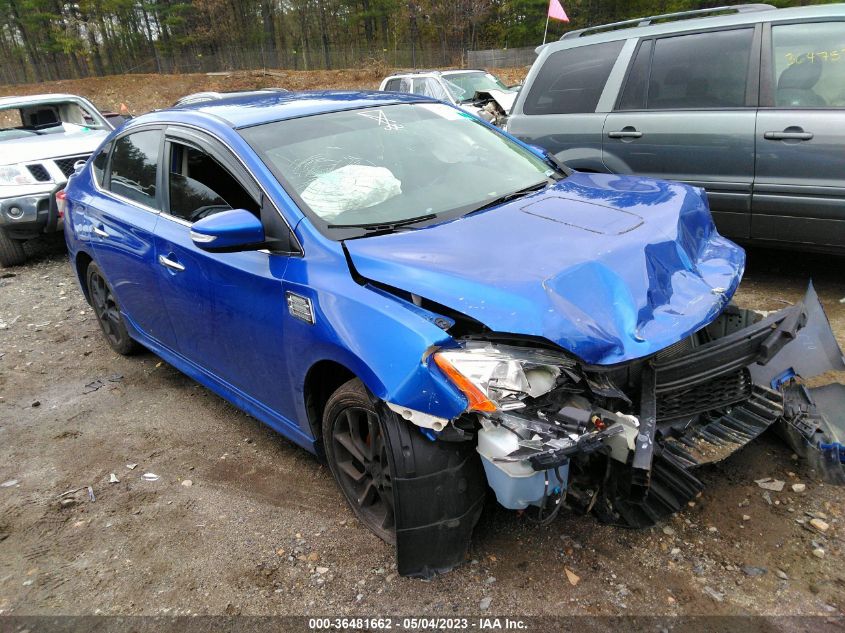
61 202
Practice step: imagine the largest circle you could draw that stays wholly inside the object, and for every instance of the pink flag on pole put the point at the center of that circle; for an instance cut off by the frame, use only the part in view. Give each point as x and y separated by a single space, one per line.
556 11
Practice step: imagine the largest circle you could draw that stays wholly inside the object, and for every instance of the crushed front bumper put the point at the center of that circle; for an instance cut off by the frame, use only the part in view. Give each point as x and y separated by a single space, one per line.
693 404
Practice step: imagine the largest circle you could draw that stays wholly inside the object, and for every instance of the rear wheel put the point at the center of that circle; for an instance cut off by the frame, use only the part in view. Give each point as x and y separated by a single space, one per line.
11 251
108 313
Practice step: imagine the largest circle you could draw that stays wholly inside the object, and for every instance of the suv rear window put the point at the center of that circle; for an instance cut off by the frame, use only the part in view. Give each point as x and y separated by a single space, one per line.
572 80
809 65
702 70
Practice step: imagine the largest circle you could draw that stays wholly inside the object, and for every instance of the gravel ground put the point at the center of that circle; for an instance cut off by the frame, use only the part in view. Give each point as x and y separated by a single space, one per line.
240 521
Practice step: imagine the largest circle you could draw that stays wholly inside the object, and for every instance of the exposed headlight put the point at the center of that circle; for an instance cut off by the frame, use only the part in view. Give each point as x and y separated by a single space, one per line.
500 377
15 175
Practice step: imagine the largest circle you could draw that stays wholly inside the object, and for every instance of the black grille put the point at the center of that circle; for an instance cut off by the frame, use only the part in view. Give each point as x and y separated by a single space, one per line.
38 172
66 164
713 394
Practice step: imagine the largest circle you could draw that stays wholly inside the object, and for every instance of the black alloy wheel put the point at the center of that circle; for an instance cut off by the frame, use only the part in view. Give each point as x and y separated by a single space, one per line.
358 457
107 311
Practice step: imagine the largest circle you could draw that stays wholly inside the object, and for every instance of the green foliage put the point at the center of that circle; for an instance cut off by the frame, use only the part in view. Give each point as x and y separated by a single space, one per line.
67 38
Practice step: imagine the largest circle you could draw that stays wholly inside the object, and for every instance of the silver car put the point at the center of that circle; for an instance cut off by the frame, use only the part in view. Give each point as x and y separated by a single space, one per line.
42 138
747 102
476 91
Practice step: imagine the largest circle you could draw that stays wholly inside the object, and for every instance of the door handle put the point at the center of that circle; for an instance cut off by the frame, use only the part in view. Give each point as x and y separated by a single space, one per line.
169 263
100 232
789 134
626 132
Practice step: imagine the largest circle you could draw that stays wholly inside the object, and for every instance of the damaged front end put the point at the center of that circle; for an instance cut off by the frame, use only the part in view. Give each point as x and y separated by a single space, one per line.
494 106
624 440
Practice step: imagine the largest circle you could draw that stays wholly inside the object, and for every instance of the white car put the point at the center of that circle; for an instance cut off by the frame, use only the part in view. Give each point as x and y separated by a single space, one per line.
476 91
42 138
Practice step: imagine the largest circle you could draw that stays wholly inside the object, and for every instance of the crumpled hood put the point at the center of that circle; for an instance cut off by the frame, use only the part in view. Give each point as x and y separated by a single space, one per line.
55 145
611 268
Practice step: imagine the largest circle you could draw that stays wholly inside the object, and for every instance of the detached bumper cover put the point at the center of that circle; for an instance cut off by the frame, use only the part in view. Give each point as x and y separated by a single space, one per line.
786 371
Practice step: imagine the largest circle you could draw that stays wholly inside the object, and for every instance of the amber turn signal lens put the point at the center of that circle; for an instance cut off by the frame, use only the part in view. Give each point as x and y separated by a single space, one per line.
477 400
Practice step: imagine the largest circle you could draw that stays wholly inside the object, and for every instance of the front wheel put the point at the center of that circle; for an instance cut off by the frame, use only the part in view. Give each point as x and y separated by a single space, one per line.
11 251
358 458
425 496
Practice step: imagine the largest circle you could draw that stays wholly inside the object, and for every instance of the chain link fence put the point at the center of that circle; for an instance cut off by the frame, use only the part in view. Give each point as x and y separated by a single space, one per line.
501 57
222 59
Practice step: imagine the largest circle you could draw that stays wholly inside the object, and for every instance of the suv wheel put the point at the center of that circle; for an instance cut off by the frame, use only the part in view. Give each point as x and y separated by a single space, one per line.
108 313
11 251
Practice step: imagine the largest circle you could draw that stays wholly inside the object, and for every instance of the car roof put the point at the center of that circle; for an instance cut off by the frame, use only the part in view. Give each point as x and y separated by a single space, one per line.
694 24
209 95
28 100
245 110
417 73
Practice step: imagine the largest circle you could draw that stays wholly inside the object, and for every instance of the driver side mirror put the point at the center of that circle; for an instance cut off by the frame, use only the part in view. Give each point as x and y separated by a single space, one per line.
228 232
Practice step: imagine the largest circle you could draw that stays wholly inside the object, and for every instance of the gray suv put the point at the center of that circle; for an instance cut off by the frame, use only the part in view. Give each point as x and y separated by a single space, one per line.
747 102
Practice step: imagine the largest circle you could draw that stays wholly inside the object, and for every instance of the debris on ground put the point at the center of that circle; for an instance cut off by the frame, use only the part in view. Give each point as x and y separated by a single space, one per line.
750 570
819 524
718 597
150 477
572 577
775 485
113 479
93 386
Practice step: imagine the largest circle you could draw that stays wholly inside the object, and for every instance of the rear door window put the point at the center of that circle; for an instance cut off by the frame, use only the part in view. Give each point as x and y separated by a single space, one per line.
133 167
428 87
572 80
699 71
100 162
398 84
808 61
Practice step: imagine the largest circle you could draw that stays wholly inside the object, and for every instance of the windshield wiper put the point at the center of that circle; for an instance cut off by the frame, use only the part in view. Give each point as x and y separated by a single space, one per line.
519 193
383 227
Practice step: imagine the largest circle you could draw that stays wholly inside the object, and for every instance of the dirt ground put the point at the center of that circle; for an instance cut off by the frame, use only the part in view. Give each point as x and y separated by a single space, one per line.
142 93
262 529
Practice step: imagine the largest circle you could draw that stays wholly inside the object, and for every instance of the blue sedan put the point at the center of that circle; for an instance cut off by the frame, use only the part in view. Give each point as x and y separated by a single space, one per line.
433 307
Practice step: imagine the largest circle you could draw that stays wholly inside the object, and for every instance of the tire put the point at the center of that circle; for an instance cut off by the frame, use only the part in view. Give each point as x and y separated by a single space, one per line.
355 449
423 496
11 251
108 314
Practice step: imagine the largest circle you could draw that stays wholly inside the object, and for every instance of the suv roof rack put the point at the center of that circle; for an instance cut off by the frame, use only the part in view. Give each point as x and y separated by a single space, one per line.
680 15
